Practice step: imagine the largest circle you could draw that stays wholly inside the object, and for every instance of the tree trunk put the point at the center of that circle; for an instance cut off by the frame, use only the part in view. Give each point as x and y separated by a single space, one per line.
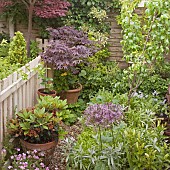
30 10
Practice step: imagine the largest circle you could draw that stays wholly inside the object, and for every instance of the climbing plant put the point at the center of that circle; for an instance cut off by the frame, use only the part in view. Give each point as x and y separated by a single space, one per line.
146 38
90 13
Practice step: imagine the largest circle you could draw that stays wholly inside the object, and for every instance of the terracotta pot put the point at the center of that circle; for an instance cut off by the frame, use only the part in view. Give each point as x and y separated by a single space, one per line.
168 98
71 95
47 149
41 92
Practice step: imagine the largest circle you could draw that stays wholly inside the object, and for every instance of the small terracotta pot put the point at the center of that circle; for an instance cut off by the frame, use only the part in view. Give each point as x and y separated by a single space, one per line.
71 95
47 149
41 92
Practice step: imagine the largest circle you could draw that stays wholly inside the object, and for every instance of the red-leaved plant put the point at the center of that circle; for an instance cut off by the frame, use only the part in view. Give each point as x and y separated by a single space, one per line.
41 8
67 48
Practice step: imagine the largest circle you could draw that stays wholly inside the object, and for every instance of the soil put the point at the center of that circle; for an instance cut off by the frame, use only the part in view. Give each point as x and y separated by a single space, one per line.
58 162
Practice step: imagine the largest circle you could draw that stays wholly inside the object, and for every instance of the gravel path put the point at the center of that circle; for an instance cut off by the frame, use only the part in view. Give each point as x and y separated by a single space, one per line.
58 161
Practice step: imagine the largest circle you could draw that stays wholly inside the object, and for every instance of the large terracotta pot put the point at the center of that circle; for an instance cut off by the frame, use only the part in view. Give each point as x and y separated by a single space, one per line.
41 92
47 149
71 95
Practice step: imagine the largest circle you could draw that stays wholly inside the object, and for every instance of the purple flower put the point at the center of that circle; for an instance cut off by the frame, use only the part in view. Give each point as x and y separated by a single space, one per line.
18 149
36 157
35 151
3 151
103 114
42 165
12 157
10 167
21 167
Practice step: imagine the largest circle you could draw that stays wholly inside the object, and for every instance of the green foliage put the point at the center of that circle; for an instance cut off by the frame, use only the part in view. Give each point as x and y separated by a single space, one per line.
58 107
135 143
6 68
47 82
90 13
34 50
65 80
52 103
4 48
4 36
17 50
101 75
145 40
155 83
103 96
34 126
76 111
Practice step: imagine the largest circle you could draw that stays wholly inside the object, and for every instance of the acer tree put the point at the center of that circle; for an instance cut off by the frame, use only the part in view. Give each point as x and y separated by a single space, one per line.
40 8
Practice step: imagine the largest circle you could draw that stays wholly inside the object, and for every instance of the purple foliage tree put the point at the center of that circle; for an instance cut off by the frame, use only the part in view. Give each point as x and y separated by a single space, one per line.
67 48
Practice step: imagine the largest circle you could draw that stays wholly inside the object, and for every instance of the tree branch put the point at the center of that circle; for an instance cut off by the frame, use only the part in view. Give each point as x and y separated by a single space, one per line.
26 4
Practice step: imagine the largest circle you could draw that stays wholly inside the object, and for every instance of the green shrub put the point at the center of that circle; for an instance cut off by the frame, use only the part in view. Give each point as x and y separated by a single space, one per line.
17 50
6 68
105 75
34 50
4 48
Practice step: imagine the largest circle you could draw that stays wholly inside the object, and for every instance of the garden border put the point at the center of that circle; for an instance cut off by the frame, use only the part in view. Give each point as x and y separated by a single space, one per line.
17 93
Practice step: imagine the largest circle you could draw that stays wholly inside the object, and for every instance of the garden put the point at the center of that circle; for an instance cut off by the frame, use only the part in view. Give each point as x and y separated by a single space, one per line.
75 109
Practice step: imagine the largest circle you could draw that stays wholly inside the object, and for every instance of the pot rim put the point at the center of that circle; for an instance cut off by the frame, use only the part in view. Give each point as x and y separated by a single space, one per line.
75 90
38 144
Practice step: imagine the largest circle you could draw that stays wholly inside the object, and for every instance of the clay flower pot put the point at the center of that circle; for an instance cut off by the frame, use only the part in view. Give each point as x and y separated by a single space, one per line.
71 95
42 92
47 149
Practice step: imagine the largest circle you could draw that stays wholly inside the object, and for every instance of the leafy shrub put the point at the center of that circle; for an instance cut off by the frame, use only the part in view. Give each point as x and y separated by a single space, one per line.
4 36
6 68
67 49
17 50
155 83
4 48
82 12
34 50
105 75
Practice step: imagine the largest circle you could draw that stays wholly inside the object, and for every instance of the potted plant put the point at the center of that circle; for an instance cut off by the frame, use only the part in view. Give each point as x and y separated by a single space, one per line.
67 50
39 127
47 82
57 107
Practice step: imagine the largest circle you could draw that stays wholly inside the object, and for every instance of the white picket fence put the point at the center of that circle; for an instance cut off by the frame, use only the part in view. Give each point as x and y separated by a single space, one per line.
42 43
16 93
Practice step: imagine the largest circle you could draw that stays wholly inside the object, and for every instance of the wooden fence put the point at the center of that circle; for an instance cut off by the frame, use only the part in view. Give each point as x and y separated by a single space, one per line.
16 93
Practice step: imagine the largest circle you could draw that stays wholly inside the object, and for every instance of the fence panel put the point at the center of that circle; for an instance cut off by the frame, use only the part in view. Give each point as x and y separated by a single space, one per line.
17 94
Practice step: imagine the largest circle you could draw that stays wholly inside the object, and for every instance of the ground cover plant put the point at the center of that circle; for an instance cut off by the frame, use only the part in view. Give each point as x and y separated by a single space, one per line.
136 142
